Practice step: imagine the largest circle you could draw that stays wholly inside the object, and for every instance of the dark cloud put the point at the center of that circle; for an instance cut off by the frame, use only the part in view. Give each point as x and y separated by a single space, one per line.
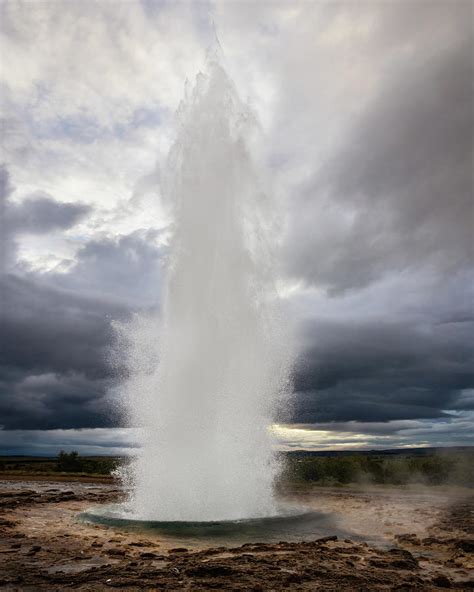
6 242
398 194
38 213
54 369
56 328
376 371
47 401
127 267
52 330
395 198
49 442
57 341
5 183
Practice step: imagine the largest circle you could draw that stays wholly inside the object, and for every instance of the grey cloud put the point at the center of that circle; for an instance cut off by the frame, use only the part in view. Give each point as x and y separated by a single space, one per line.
38 213
7 244
50 442
50 330
399 193
56 327
127 267
396 196
54 368
5 183
373 371
465 400
449 431
45 401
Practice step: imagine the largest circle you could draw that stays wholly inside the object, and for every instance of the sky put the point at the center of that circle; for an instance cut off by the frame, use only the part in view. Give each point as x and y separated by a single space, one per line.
366 110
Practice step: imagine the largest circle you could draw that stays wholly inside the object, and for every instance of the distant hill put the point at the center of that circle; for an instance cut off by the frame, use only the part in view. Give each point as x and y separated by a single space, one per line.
387 452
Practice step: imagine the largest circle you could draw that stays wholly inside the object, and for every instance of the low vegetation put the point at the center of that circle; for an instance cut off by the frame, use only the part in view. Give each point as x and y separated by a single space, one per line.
455 467
419 466
66 463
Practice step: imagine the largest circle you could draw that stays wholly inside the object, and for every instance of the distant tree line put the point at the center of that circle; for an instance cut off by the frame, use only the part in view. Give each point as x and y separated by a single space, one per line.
71 462
65 462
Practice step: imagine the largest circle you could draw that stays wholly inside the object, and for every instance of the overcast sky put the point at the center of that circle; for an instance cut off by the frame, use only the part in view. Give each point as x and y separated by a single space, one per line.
366 112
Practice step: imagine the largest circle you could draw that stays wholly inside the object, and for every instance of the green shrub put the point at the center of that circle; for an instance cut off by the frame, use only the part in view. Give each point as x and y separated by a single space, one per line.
69 462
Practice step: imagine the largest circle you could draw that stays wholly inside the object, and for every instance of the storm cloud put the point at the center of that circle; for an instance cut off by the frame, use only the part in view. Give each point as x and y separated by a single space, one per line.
53 356
367 115
37 213
398 194
57 358
383 371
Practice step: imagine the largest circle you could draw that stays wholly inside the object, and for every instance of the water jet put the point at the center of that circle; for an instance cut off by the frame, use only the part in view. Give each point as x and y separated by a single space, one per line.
204 380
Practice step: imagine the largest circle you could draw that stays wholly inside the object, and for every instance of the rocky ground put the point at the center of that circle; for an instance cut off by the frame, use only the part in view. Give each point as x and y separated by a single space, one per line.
426 543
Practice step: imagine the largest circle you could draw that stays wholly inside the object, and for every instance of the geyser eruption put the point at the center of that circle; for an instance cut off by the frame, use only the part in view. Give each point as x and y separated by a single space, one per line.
203 382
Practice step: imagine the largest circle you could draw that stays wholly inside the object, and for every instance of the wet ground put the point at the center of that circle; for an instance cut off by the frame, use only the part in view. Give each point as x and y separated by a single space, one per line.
357 539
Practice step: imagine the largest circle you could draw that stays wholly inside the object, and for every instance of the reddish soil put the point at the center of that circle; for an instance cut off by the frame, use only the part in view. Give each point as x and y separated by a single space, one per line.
428 545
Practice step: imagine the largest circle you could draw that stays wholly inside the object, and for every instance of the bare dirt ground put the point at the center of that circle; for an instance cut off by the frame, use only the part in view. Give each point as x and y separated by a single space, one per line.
387 539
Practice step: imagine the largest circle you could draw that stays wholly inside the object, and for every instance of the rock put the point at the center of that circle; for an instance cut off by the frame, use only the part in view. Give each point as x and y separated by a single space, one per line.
441 581
411 539
402 559
65 496
178 550
210 570
294 578
466 545
117 552
326 539
431 541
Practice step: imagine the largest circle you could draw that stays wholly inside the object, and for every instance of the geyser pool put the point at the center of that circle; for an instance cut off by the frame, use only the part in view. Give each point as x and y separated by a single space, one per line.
292 523
203 380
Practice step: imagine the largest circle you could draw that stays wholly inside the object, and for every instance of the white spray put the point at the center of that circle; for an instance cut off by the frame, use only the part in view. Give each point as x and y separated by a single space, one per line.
203 382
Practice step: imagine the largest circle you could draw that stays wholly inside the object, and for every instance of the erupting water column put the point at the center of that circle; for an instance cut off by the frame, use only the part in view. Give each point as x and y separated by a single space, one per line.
205 405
